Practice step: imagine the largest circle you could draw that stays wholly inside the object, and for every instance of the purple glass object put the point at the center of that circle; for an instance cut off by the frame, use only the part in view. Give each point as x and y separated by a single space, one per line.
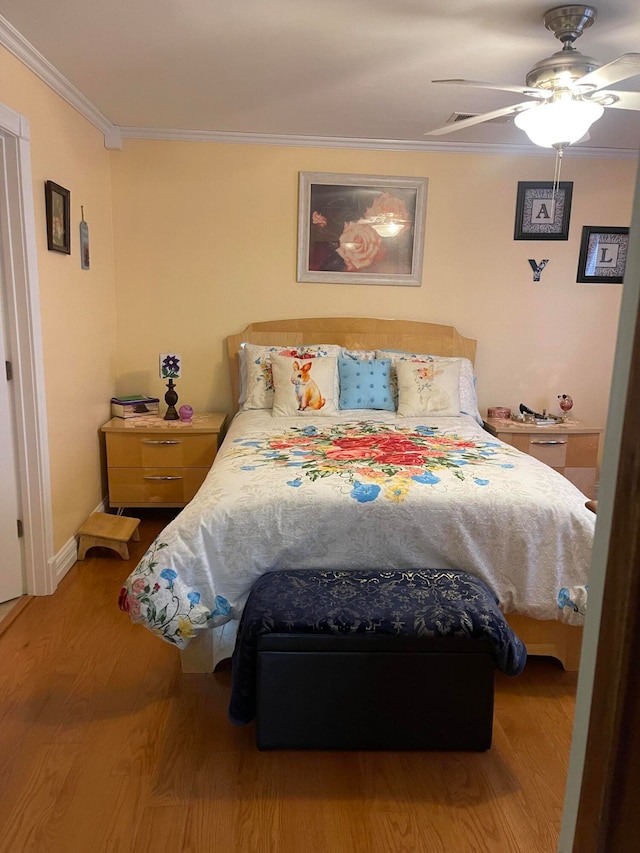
185 412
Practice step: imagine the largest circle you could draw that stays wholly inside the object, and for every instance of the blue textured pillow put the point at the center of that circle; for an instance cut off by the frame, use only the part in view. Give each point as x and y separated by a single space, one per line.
365 384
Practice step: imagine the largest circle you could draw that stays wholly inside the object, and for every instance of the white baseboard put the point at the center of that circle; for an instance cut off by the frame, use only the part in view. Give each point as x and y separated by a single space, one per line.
64 559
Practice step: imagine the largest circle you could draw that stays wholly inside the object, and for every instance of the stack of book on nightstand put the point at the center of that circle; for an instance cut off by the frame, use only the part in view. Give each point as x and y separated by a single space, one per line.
134 406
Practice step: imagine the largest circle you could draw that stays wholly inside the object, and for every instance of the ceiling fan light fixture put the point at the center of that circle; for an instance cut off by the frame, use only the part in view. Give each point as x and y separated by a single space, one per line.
559 122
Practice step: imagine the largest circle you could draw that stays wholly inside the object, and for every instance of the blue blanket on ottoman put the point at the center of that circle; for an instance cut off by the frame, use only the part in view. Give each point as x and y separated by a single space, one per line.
421 603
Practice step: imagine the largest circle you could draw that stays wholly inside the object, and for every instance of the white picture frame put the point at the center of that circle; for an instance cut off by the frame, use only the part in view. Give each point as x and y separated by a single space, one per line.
361 229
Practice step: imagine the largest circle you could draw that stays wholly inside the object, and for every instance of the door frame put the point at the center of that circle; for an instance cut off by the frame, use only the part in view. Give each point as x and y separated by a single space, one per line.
603 782
25 345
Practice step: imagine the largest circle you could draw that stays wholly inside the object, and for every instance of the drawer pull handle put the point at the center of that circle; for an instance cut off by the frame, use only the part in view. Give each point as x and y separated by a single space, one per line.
159 477
550 441
150 441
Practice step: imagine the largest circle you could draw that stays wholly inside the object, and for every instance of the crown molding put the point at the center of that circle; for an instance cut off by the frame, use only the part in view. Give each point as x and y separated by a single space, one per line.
170 134
17 44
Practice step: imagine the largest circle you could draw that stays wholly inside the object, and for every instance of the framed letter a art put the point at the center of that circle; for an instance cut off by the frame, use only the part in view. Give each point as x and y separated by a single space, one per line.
540 216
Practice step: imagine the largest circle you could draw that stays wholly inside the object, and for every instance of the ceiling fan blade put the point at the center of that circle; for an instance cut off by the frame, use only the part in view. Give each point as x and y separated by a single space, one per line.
521 90
469 122
624 100
625 66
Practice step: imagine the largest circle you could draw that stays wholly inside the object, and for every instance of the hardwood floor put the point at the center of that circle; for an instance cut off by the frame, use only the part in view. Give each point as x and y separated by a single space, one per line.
106 746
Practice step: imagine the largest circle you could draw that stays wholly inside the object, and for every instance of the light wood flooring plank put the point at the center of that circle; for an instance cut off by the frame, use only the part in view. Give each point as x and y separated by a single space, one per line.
34 820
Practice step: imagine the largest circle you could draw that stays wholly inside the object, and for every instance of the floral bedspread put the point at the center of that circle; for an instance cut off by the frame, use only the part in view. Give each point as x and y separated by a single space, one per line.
381 494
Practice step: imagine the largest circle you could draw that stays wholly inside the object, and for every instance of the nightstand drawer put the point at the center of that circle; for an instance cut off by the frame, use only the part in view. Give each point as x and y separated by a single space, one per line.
552 450
152 450
140 486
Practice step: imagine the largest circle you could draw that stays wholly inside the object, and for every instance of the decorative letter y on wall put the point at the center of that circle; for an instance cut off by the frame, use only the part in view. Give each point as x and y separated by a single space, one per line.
537 268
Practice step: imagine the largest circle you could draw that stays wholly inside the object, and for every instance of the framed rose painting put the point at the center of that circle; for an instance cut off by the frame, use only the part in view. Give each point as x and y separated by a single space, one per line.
361 229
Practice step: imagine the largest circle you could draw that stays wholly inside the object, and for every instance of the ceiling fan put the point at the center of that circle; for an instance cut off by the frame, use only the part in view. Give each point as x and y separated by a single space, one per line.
568 88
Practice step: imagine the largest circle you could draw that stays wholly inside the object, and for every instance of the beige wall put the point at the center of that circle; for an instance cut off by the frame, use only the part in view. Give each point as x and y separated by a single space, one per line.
77 306
205 238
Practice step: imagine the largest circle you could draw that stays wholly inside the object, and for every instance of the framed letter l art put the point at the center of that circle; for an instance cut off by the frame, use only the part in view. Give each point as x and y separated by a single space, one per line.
603 254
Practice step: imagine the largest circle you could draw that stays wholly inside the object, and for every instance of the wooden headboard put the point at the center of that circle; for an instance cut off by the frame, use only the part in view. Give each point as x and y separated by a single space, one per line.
353 333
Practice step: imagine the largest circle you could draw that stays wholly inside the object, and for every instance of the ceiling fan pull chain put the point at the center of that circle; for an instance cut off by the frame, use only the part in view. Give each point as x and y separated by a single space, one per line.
556 180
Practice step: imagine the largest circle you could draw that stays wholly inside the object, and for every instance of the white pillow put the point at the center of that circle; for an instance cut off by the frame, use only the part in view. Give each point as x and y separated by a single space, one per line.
304 386
468 396
242 363
428 388
258 392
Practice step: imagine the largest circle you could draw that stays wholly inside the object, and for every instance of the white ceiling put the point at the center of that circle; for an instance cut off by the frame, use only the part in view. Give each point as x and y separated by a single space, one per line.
321 68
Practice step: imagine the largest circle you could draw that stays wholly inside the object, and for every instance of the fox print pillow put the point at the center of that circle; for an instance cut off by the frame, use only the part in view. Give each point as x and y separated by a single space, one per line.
305 387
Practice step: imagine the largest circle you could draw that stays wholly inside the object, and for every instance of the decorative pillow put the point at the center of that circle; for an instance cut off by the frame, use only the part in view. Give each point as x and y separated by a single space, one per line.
304 386
358 354
428 388
468 396
259 380
365 384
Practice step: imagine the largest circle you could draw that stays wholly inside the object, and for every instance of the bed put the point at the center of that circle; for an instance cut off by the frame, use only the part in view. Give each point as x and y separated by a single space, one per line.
299 485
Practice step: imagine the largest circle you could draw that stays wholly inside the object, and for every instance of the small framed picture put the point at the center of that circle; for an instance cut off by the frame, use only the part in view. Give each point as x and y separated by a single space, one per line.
58 207
603 254
539 214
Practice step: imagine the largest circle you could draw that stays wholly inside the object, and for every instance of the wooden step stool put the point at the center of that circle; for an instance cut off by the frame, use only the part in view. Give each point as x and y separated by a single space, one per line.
108 531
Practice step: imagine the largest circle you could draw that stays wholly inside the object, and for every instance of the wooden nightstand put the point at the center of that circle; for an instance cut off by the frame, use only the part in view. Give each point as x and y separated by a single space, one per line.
569 447
153 462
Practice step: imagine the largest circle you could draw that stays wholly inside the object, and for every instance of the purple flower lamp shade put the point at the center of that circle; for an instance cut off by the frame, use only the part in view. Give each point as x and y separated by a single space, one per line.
170 368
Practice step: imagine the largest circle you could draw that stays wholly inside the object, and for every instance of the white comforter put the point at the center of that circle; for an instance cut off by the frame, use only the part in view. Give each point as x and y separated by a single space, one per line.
349 493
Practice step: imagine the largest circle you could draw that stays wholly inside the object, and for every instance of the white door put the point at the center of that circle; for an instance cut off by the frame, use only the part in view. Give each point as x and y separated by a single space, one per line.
11 563
24 448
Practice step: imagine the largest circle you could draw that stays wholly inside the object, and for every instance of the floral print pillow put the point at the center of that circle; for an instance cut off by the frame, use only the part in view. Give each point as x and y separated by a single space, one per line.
428 388
468 396
358 354
258 379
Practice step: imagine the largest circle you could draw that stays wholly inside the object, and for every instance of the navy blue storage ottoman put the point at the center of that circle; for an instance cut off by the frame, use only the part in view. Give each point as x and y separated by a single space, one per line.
371 660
